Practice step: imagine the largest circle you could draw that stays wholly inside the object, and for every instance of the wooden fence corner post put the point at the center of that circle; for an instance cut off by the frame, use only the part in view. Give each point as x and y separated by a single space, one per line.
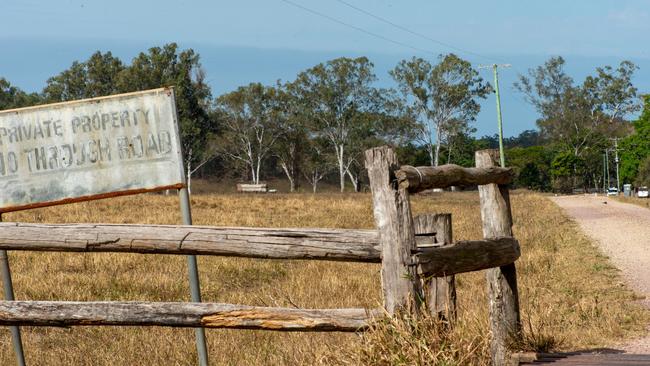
503 296
401 284
440 292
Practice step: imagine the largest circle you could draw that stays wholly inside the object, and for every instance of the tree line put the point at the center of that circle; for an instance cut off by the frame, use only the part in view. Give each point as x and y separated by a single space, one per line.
316 127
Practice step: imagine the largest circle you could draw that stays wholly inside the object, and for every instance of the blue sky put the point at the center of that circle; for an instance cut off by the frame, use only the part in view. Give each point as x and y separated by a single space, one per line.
253 40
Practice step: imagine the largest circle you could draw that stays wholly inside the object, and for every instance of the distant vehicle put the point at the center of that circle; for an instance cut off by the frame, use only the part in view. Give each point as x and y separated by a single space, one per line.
642 192
612 191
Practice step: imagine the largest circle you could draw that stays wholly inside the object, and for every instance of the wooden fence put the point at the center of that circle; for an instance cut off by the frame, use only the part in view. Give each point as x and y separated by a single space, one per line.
418 259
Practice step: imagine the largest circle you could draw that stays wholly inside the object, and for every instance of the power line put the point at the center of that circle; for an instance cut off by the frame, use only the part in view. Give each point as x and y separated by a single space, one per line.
384 20
424 36
357 28
379 36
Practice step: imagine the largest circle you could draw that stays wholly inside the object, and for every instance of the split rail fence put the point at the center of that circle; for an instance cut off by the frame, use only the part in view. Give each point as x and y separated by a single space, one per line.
417 255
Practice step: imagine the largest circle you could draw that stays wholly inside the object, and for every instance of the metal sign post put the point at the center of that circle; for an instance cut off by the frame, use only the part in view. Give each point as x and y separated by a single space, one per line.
192 265
193 272
8 288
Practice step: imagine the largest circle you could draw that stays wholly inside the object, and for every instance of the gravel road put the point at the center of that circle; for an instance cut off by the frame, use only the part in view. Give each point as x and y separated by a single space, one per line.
623 232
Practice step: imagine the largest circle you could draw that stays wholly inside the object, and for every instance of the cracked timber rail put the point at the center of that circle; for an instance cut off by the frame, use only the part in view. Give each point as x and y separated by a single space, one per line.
417 255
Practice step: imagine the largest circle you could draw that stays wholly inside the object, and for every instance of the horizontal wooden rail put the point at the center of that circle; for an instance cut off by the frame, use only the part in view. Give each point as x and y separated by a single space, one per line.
427 177
327 244
467 256
177 314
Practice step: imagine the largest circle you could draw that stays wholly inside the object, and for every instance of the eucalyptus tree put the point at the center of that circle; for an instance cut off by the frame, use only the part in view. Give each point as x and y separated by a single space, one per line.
579 116
441 96
169 66
249 125
316 163
104 74
579 119
635 149
293 141
335 95
13 97
94 77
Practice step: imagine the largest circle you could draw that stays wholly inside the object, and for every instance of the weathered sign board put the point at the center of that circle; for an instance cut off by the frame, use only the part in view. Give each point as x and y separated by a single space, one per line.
89 149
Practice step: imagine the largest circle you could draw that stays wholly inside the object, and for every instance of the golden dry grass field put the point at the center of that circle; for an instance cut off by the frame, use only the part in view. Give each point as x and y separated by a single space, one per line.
570 295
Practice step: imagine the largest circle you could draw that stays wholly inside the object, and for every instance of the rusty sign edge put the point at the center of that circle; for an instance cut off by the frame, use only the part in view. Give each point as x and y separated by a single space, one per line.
94 197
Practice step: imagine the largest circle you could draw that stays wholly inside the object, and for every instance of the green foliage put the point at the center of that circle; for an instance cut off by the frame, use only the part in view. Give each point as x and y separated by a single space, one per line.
441 97
93 78
643 177
412 154
526 138
564 169
460 149
104 74
316 163
532 166
580 118
166 66
337 97
635 149
293 142
12 97
564 164
251 125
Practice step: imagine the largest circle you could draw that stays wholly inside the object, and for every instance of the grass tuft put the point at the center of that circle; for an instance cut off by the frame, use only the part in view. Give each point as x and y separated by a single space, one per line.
423 340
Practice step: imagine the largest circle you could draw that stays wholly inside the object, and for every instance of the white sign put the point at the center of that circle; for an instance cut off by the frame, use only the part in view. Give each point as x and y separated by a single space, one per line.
89 149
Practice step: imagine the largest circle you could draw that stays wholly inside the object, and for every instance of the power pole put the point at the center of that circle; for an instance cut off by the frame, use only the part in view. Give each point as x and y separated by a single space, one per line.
618 181
499 121
605 172
607 167
616 161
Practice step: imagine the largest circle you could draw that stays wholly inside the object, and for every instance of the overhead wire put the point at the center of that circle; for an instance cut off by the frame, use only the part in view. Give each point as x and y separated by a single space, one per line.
376 35
395 25
423 36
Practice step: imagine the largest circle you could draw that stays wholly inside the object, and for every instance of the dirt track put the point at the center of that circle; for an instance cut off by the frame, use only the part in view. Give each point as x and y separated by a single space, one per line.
623 232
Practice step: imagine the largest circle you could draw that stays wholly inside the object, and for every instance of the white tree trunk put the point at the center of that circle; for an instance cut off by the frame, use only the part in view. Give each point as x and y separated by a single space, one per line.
342 170
189 172
253 174
354 180
437 154
314 177
189 177
289 174
428 132
257 170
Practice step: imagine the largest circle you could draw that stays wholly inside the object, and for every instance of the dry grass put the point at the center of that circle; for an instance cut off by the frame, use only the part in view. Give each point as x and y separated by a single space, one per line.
643 202
570 295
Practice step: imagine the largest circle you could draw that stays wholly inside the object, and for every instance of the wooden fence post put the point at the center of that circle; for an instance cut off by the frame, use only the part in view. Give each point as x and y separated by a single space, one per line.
440 292
503 297
392 210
